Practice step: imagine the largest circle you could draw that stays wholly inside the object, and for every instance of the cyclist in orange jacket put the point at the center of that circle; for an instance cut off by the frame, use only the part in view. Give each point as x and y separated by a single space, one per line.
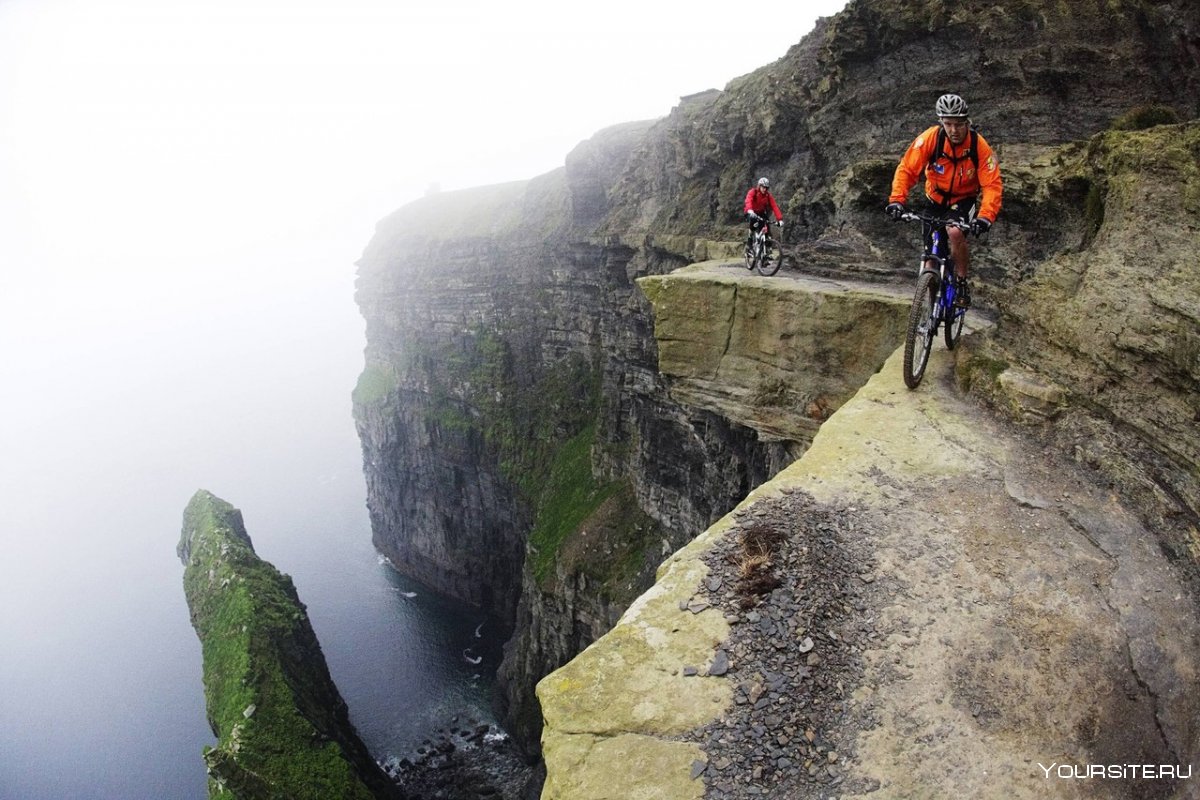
959 166
759 201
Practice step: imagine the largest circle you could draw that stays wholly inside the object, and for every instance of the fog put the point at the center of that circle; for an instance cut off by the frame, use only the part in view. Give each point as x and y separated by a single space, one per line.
184 189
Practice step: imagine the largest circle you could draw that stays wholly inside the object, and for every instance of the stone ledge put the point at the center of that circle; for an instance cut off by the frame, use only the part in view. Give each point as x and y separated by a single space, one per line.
777 355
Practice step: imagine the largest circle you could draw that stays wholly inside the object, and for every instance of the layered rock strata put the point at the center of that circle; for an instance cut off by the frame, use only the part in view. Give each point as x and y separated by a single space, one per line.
282 728
778 356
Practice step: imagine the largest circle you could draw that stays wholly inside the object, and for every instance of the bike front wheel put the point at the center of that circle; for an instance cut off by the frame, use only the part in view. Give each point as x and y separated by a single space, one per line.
922 327
768 264
954 326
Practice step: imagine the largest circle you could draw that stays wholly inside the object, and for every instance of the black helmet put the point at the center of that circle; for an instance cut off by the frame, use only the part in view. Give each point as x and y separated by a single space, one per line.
951 105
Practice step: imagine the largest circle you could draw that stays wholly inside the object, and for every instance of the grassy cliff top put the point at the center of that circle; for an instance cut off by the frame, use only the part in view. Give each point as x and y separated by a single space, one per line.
533 208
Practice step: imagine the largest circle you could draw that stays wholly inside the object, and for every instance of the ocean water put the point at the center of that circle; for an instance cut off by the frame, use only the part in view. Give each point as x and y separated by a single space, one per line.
100 687
109 422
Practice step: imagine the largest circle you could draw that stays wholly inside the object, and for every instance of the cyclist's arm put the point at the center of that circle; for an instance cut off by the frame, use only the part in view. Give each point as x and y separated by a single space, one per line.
990 182
912 164
775 208
749 207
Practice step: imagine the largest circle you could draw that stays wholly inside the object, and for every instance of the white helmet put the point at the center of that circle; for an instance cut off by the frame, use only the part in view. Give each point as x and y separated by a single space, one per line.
763 183
951 105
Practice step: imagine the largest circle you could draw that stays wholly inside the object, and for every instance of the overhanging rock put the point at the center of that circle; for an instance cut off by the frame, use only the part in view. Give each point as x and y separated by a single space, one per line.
778 355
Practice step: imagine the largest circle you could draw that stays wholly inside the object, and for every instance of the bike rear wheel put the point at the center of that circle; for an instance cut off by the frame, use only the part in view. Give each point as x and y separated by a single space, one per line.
922 327
769 263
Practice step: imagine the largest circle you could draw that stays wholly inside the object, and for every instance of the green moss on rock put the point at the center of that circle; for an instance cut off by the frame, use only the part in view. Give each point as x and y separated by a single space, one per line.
282 728
481 387
375 384
1147 116
570 495
585 526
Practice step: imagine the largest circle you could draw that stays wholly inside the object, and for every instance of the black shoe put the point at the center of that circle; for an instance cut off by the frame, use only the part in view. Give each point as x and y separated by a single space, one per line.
962 294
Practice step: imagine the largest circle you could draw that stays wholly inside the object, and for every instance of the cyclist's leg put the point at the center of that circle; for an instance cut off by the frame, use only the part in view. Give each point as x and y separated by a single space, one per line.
963 210
927 238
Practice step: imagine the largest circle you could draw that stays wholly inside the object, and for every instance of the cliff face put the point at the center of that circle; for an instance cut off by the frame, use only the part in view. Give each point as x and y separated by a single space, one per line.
828 121
1110 323
515 398
511 391
282 727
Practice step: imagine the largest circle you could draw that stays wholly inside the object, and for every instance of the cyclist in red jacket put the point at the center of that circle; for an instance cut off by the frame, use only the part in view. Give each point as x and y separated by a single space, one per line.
759 201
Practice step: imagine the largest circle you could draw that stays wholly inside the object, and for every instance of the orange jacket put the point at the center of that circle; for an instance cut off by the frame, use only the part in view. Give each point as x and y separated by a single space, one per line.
947 180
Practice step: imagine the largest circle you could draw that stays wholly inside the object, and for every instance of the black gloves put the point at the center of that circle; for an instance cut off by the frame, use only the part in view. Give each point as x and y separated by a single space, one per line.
980 226
894 210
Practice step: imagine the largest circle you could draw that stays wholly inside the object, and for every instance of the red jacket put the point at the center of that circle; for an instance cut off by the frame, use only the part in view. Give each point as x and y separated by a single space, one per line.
958 180
760 201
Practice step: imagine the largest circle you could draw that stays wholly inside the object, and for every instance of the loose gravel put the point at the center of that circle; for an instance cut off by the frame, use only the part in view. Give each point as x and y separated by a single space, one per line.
796 581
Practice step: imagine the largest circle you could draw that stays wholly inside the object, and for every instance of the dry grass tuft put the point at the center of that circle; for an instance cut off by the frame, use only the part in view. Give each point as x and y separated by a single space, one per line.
754 562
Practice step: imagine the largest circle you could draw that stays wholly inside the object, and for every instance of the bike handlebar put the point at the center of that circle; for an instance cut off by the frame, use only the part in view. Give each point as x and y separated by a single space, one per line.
911 216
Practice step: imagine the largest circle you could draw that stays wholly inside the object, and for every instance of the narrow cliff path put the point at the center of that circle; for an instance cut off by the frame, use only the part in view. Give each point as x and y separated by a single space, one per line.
958 616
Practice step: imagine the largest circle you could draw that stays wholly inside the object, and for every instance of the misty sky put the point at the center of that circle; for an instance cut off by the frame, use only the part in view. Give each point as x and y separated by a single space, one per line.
184 188
185 182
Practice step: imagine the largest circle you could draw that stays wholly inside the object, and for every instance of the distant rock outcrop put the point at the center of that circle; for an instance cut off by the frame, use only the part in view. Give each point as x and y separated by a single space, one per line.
282 727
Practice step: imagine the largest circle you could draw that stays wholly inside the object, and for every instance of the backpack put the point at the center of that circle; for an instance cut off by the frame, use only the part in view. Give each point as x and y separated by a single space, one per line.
972 151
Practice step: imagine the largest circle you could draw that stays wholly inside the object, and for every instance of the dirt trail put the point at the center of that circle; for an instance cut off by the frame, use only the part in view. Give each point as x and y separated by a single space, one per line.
1033 621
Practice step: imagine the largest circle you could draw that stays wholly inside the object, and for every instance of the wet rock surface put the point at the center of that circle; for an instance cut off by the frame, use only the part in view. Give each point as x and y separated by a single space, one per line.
796 585
469 760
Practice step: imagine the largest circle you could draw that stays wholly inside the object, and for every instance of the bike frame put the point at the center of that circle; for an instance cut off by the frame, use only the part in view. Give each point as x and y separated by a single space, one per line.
763 231
760 246
934 231
935 287
946 310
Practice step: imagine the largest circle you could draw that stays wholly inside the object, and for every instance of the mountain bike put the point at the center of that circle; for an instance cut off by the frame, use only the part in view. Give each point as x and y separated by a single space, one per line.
933 304
762 254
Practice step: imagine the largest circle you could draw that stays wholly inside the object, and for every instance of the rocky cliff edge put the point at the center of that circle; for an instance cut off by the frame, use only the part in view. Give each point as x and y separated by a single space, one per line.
980 616
943 599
